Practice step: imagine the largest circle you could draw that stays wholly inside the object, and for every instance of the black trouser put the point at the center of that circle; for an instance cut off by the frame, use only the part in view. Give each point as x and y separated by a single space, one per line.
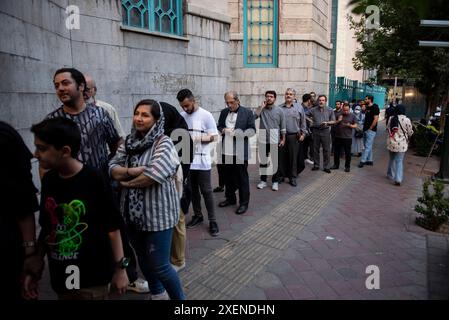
186 189
301 157
200 181
308 147
128 251
221 175
274 158
342 144
288 157
236 177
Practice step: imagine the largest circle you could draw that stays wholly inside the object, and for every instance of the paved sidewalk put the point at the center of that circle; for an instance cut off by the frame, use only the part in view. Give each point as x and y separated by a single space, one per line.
314 241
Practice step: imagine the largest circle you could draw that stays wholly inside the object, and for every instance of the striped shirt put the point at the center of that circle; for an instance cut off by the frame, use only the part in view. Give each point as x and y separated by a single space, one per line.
97 131
160 200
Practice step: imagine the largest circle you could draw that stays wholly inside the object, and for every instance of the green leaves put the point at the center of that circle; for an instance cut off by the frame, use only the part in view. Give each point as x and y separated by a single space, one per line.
433 207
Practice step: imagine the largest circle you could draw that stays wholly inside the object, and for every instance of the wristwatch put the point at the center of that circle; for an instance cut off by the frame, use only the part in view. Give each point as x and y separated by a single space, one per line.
123 263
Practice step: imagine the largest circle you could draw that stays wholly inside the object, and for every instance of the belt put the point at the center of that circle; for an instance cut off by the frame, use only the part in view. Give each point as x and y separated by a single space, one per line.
291 133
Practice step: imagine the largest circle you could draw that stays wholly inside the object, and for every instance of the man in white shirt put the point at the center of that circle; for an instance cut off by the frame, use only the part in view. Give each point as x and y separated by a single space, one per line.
203 130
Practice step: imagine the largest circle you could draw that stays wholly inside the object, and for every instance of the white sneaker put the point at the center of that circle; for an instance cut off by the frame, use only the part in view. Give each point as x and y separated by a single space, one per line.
275 186
178 268
308 161
261 185
160 296
139 286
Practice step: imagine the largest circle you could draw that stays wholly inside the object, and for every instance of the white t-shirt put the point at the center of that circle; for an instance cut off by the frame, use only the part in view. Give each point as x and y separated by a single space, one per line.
201 123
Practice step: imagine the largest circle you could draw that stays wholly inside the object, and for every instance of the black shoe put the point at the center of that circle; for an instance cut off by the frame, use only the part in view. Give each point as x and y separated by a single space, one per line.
327 170
213 229
369 163
219 189
315 168
347 169
242 209
361 164
196 220
397 183
226 203
334 167
293 182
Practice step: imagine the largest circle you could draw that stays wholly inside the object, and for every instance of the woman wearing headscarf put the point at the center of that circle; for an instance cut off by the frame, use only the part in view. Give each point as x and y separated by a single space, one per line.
400 130
146 165
357 137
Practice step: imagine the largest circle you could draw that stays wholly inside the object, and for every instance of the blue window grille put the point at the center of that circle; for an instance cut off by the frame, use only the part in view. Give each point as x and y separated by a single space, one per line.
260 33
163 16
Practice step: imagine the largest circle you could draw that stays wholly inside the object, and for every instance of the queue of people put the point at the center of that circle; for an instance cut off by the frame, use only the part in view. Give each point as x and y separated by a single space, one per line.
112 200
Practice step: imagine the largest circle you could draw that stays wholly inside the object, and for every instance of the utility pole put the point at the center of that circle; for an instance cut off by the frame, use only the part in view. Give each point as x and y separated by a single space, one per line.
443 174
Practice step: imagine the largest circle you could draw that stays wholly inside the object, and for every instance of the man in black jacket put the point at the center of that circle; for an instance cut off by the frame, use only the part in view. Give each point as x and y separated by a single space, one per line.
236 125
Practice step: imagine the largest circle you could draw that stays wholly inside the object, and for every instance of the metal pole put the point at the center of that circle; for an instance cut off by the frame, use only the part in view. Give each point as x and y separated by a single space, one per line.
394 90
443 174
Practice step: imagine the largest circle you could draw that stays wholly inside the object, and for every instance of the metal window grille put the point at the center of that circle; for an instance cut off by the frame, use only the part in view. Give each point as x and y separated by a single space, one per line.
163 16
260 33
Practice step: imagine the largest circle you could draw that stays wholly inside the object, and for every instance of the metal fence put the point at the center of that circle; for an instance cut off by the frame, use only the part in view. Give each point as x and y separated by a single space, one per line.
345 89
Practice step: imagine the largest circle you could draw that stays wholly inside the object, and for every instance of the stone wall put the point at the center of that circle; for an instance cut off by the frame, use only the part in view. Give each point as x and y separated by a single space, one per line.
127 65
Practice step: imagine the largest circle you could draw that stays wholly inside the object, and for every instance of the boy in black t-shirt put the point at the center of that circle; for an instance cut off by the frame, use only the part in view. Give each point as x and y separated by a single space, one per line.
80 224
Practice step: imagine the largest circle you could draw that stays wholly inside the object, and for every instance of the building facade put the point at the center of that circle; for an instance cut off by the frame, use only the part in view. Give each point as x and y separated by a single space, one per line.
137 49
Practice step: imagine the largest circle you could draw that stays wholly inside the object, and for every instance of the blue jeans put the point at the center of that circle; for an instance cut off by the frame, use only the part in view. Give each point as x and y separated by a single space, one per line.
396 166
153 253
368 141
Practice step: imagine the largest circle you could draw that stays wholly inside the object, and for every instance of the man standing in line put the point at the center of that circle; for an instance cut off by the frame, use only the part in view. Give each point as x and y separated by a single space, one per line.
323 117
369 130
343 137
90 93
98 134
236 124
203 130
308 141
295 120
271 138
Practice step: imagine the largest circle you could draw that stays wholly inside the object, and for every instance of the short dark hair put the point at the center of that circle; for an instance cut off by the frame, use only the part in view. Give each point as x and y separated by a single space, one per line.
370 97
322 95
59 132
183 94
306 97
154 107
338 101
271 92
76 75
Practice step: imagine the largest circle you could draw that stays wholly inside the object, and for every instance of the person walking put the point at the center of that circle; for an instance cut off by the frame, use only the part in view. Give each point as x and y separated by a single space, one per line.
400 130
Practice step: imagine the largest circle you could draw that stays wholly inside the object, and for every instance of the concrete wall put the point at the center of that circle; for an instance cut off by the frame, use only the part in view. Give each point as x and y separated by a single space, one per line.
304 51
128 66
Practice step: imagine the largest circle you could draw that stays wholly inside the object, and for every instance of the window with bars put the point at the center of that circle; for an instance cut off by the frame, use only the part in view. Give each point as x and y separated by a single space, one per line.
163 16
260 33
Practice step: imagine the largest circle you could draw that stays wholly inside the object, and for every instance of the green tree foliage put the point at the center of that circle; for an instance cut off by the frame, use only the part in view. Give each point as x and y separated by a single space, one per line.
433 206
393 50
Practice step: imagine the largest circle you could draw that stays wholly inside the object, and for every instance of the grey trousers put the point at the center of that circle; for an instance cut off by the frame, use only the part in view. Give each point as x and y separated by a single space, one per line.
322 138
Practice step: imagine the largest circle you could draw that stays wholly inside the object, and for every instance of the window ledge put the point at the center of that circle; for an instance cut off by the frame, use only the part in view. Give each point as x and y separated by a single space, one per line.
153 33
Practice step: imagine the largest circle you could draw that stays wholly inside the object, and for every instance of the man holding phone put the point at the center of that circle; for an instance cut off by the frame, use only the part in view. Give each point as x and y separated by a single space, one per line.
347 121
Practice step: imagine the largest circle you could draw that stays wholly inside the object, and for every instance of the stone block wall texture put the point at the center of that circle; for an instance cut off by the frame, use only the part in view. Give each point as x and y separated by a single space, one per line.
128 66
304 52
